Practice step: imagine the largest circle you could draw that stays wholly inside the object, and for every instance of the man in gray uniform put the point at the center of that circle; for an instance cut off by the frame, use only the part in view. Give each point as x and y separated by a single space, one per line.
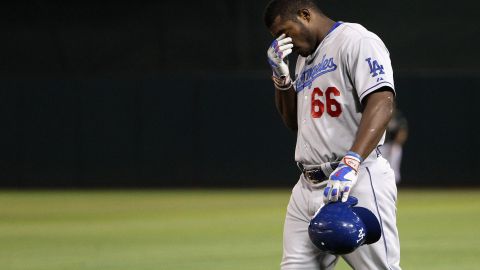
339 105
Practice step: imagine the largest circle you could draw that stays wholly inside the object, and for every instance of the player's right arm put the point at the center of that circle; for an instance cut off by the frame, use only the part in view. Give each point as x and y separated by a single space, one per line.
286 102
285 95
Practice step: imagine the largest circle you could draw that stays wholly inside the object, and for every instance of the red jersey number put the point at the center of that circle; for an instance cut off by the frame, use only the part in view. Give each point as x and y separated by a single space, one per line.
334 109
317 105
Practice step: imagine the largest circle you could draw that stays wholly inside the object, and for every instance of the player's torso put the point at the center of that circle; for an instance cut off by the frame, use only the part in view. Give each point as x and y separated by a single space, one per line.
328 105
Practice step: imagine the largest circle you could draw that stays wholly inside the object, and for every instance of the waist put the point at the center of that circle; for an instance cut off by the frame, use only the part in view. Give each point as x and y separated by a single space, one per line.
313 159
318 173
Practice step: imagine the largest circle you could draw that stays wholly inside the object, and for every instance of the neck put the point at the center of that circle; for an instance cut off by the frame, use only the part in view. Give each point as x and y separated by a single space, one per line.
323 26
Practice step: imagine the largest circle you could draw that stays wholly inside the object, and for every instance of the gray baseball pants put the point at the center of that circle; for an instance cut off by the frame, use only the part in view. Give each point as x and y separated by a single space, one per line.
375 190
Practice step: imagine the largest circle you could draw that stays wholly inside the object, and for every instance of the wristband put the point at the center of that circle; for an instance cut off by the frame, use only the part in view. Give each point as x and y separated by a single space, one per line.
283 83
352 160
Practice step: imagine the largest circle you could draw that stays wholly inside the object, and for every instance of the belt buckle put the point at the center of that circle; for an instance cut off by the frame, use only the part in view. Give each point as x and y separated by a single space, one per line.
310 175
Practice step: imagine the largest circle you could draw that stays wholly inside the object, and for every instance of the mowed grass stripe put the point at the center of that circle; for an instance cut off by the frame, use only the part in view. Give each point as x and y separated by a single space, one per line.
207 229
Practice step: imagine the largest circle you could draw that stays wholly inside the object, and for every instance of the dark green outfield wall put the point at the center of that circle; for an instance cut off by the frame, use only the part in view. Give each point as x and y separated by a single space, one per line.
175 93
176 132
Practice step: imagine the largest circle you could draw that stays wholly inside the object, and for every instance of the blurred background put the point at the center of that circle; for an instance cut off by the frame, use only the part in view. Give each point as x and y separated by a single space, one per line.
166 93
177 94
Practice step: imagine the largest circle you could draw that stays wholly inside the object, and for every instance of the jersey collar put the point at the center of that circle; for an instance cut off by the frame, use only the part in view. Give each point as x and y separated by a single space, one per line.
334 26
312 56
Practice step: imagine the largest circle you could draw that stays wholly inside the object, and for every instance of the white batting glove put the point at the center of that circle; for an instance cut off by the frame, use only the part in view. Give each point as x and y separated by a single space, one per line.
277 52
343 178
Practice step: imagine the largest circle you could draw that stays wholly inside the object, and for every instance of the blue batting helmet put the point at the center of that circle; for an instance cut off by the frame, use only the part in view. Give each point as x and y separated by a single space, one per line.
339 227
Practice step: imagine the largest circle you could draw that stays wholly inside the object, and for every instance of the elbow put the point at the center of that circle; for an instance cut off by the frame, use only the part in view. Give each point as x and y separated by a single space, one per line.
381 104
382 101
389 106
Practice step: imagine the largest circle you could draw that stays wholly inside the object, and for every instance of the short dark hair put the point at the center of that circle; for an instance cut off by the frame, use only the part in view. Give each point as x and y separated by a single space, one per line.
286 9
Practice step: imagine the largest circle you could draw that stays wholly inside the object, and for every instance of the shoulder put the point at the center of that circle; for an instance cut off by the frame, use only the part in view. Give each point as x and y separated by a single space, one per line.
353 34
356 32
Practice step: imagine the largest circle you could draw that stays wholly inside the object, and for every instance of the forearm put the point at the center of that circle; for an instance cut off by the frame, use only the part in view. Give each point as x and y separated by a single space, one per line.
285 95
376 115
286 103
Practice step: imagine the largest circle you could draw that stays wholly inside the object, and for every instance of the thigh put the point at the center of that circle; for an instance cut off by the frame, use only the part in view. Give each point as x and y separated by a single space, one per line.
376 190
298 250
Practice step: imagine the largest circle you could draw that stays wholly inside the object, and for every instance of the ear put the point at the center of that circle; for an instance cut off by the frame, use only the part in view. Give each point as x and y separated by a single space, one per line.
304 14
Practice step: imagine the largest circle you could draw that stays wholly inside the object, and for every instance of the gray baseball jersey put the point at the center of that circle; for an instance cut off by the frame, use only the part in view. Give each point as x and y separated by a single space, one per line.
349 63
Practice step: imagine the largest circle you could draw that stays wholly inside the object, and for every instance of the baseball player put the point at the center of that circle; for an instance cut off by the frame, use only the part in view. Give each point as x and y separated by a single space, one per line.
397 134
339 102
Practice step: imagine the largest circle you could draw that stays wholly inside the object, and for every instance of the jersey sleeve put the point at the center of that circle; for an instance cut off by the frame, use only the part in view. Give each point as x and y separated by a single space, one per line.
369 66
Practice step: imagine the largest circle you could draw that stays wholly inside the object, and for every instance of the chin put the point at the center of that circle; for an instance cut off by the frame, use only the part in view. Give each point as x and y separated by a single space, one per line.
304 53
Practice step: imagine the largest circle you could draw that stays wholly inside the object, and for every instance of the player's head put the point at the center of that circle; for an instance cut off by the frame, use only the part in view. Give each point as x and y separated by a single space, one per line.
297 19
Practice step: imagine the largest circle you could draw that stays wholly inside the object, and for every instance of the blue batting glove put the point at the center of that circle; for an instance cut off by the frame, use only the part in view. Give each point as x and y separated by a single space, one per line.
342 178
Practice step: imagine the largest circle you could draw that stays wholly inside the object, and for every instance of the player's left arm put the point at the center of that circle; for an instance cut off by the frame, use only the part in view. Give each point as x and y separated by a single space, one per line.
372 73
369 66
378 110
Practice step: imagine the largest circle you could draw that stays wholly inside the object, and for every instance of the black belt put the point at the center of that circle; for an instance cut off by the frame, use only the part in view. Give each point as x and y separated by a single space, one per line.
318 174
322 172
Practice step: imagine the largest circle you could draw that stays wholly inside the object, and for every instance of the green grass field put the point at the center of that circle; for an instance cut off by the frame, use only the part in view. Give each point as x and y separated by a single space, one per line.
203 229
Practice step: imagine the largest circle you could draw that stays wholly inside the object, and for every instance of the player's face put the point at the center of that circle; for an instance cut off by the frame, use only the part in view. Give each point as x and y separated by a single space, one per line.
302 38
